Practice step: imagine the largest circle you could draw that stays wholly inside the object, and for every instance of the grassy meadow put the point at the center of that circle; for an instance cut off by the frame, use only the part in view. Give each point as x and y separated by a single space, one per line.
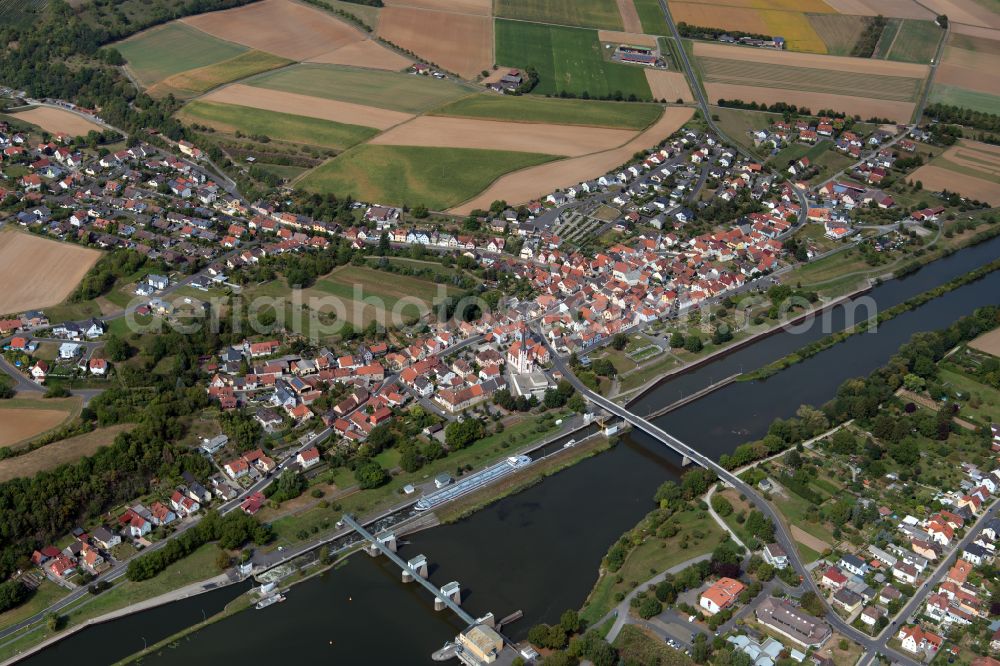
556 111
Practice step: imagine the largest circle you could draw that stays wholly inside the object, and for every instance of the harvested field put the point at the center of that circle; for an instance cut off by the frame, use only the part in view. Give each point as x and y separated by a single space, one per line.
988 343
936 178
746 19
525 185
630 17
863 66
567 60
460 43
670 86
277 126
583 13
891 8
37 272
534 109
770 17
285 28
839 32
863 106
976 31
52 455
966 12
435 177
160 52
203 79
974 68
618 37
368 53
496 135
480 7
303 105
58 120
387 90
19 425
976 155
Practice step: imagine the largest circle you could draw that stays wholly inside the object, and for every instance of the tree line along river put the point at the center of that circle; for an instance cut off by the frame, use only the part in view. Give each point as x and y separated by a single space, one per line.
539 550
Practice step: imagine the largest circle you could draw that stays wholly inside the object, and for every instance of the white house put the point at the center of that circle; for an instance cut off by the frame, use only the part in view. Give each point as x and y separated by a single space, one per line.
308 458
69 350
775 556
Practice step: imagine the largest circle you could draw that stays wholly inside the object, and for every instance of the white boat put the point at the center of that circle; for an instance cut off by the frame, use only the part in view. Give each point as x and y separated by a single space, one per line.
269 601
569 444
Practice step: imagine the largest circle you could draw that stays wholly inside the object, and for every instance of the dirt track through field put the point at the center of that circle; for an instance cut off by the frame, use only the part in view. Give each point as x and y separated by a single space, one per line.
668 85
864 106
499 135
58 120
304 105
37 272
935 179
533 182
816 61
368 53
281 27
630 17
460 43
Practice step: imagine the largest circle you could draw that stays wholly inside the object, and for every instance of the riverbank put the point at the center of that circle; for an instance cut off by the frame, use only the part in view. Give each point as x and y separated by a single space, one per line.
861 327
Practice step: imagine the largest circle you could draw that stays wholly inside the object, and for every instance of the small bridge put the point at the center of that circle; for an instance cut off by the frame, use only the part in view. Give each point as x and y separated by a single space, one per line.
448 596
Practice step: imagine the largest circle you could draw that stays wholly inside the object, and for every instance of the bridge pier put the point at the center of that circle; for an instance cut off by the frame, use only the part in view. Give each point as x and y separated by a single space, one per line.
488 620
452 591
685 461
417 564
387 539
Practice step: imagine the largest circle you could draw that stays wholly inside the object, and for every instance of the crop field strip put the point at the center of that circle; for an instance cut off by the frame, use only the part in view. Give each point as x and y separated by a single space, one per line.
766 75
531 109
582 13
203 79
169 49
917 41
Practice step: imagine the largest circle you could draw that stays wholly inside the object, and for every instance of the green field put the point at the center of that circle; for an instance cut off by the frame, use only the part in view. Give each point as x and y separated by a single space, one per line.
809 79
917 41
554 110
969 99
886 38
797 151
586 13
203 79
735 123
651 17
387 90
435 177
367 14
839 32
567 60
279 126
375 283
283 171
169 49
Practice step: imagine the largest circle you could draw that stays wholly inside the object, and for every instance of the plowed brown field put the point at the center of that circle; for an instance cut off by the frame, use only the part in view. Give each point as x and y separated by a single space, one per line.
37 272
460 43
935 179
368 53
58 120
668 85
864 106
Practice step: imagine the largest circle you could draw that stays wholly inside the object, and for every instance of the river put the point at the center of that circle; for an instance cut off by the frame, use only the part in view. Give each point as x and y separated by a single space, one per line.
539 550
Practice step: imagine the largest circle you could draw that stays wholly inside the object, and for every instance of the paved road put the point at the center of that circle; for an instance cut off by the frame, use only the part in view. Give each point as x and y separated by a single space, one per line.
782 536
699 96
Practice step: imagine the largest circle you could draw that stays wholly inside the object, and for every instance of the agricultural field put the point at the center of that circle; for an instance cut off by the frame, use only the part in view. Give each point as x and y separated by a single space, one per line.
668 86
916 41
883 89
582 13
385 90
545 110
543 138
839 32
459 43
528 184
786 18
24 418
567 60
970 168
57 120
304 105
38 272
202 79
284 28
651 17
158 53
988 343
969 74
58 453
435 177
278 126
889 8
736 123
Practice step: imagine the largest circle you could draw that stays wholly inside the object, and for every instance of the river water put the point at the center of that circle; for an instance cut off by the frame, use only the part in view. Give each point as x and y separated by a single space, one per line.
539 550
